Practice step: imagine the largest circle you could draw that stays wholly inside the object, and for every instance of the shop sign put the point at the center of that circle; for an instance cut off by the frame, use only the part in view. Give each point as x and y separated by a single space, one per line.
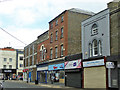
93 63
56 66
8 71
42 68
110 65
25 70
73 64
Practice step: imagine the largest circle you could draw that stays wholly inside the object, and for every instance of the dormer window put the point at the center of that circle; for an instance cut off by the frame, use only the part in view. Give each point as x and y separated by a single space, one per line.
94 30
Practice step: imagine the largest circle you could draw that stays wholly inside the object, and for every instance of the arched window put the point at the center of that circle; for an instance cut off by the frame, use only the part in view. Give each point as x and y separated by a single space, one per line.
90 49
95 47
94 29
100 47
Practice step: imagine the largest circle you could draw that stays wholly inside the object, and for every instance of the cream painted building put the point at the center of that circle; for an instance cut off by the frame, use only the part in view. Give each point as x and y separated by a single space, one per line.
8 63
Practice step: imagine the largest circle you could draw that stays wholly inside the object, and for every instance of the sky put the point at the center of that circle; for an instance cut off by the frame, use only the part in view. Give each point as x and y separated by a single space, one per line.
27 19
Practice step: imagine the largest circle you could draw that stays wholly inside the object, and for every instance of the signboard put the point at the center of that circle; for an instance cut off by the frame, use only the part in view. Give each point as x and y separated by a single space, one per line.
73 64
42 68
56 66
93 63
25 70
8 70
110 65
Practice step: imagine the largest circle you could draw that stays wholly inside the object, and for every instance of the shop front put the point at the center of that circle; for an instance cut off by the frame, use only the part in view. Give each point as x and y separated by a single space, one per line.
25 71
95 74
42 73
9 74
56 73
73 73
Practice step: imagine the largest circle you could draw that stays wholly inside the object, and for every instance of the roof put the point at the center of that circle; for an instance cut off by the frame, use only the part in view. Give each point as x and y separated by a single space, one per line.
81 11
76 10
115 0
7 49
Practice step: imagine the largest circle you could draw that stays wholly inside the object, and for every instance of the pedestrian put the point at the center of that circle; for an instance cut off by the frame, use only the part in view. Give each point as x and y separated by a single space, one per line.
52 79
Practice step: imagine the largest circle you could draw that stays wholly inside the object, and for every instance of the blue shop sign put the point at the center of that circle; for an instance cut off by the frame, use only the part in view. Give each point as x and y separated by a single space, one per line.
56 66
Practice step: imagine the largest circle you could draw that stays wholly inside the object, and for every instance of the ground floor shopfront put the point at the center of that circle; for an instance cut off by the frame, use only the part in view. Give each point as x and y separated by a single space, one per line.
29 74
95 73
56 73
73 71
9 74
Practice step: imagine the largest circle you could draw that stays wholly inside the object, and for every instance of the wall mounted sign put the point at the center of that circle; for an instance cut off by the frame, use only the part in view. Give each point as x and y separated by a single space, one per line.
93 63
56 66
73 64
110 65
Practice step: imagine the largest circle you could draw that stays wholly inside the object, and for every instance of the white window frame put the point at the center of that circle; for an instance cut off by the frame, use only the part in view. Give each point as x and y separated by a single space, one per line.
95 47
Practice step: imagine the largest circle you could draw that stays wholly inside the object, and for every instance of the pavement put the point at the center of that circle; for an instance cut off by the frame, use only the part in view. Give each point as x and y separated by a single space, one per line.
45 85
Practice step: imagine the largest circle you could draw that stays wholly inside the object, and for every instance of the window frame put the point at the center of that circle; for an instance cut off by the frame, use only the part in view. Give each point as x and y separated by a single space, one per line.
95 47
56 52
61 50
51 53
62 31
94 29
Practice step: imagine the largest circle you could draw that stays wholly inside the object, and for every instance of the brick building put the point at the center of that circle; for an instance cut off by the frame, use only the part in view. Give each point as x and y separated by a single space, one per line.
64 40
30 59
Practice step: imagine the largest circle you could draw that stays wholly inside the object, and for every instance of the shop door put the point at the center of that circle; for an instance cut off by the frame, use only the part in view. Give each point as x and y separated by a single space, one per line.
95 77
74 79
29 76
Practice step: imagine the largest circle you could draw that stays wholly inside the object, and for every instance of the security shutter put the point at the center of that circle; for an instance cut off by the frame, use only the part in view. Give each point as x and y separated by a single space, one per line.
73 79
95 77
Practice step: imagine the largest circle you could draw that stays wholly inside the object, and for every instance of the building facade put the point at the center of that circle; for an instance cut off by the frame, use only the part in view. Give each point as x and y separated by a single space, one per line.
8 63
64 40
30 59
95 49
19 63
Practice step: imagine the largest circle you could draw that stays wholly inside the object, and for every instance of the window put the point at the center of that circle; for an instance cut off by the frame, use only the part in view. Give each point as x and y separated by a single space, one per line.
51 25
61 50
10 59
51 53
42 52
62 18
56 51
62 32
90 49
21 58
51 38
21 65
95 48
56 23
94 30
100 47
10 66
5 59
56 35
4 66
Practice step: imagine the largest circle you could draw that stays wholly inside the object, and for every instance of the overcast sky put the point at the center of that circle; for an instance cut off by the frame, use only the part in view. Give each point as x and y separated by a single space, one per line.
27 19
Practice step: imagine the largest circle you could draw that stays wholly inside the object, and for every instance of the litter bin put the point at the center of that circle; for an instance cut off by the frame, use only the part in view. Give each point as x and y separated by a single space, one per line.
36 81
